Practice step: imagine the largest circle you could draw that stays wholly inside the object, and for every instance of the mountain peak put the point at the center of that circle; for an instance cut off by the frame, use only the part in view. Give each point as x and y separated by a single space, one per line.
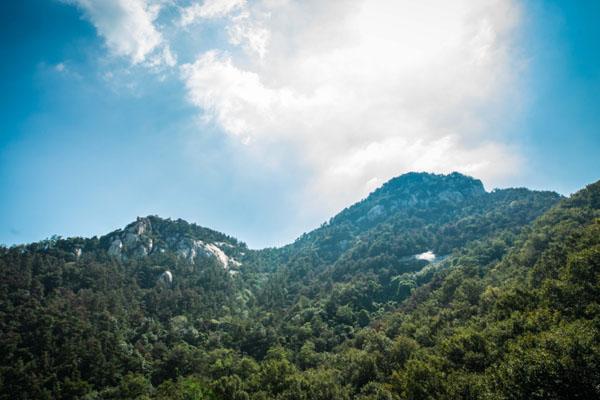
412 191
419 181
155 235
416 189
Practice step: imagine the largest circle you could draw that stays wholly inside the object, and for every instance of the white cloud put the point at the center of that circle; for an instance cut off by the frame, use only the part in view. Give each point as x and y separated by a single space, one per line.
128 28
244 24
210 9
363 91
249 32
234 98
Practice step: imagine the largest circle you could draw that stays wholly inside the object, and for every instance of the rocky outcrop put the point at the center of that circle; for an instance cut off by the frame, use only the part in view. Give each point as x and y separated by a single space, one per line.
116 246
139 239
166 278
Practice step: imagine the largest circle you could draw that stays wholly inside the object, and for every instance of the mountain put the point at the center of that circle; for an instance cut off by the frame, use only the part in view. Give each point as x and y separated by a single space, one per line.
153 235
422 212
524 327
430 287
382 236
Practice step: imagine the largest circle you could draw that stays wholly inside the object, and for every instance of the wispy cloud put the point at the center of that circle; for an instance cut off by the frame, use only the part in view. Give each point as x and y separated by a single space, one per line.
249 32
243 22
128 29
60 67
210 9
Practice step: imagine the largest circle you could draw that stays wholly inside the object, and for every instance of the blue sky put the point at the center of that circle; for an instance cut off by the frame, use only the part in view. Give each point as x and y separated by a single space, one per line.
262 119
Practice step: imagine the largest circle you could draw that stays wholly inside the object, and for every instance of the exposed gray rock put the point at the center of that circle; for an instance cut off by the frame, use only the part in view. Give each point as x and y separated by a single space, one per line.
115 248
130 239
190 249
166 278
136 241
140 226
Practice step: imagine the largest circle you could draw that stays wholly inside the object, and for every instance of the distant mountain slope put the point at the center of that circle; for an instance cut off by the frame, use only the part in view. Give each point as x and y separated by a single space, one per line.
379 238
524 327
422 212
364 262
354 309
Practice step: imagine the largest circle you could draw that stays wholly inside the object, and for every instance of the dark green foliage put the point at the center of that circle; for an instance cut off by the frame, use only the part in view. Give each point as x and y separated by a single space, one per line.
510 308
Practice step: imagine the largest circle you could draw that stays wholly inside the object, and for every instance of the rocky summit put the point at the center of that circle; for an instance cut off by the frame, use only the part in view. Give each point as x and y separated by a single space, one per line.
146 236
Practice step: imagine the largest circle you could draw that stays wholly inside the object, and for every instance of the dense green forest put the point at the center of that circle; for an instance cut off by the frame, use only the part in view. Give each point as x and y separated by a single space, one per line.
430 288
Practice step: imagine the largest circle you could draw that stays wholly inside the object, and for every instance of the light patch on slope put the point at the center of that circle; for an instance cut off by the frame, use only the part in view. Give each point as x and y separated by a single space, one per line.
166 277
218 253
427 256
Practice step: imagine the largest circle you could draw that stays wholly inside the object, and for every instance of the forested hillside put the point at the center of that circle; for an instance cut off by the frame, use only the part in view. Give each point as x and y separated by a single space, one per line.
431 287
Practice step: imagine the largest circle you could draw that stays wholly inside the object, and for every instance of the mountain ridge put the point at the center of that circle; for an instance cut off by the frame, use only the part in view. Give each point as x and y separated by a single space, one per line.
409 185
434 298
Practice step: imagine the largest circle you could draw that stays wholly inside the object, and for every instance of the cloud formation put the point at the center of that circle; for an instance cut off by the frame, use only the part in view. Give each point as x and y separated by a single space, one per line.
355 91
363 91
128 28
243 23
209 9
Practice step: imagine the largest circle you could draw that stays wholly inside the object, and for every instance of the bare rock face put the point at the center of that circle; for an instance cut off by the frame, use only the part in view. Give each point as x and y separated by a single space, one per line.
115 248
192 249
166 278
218 254
139 239
133 241
139 227
130 239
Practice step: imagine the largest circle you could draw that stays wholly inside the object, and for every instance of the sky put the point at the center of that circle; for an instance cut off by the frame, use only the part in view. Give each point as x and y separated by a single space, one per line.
262 119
